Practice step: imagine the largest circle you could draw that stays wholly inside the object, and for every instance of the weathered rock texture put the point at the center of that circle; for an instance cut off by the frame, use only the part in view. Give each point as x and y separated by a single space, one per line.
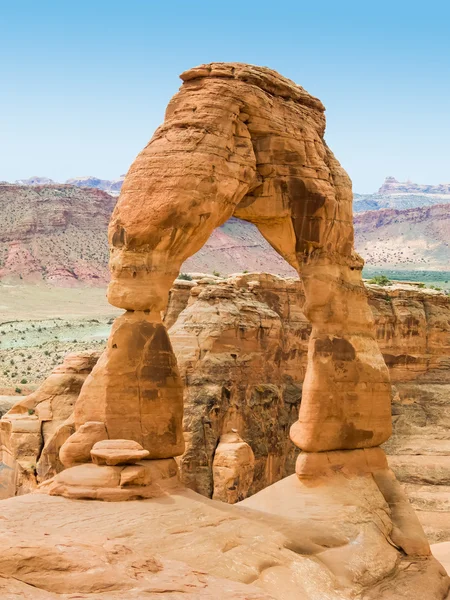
244 141
413 329
135 389
233 468
258 319
241 347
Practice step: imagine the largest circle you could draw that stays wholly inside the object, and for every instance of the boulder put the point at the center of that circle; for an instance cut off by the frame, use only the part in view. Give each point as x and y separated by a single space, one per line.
117 452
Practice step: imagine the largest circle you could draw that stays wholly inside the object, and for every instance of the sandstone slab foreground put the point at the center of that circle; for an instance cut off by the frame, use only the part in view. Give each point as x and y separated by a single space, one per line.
330 538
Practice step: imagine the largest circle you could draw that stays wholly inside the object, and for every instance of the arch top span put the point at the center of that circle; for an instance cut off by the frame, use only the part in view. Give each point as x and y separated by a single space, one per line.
240 140
264 78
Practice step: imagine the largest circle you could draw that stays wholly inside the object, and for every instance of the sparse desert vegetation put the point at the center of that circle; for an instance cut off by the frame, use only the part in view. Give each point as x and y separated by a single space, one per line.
39 325
28 354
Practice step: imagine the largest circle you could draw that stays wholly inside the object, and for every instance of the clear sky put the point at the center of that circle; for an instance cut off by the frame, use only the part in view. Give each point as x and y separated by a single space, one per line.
84 83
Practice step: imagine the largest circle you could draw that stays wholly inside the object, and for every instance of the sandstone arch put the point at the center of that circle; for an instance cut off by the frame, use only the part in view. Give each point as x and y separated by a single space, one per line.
238 140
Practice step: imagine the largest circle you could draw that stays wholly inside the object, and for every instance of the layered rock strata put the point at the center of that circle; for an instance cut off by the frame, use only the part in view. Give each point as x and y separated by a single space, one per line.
413 329
241 345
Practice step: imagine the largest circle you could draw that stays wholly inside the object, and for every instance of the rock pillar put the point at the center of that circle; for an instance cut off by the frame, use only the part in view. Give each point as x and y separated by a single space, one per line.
346 391
135 388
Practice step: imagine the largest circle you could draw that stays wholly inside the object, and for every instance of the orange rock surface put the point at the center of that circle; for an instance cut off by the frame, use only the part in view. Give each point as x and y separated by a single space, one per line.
244 141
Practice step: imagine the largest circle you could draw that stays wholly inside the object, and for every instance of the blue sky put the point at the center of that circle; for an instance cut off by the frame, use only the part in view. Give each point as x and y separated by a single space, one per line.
86 82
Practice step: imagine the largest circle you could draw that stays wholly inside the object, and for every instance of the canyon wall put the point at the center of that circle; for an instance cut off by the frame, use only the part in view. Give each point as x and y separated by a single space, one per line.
241 348
413 330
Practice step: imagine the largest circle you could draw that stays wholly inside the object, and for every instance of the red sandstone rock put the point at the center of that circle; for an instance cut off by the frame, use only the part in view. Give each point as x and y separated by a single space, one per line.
242 140
34 429
77 448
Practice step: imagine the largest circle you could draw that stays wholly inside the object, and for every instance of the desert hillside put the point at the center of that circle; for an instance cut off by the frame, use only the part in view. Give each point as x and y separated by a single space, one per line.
56 233
417 238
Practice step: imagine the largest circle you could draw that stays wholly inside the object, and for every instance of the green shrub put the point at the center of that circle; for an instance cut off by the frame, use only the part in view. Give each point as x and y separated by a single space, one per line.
23 381
216 273
380 280
184 277
18 390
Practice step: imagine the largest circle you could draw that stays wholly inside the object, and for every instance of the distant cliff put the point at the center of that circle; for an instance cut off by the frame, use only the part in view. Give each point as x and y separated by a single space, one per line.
107 185
402 195
392 194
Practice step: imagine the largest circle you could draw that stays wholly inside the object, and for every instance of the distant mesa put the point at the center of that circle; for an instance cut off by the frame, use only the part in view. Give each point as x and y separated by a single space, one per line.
393 186
35 181
107 185
404 195
392 194
113 186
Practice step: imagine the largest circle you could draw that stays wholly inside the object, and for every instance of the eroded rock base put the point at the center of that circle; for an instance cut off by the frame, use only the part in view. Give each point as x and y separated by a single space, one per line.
333 468
112 483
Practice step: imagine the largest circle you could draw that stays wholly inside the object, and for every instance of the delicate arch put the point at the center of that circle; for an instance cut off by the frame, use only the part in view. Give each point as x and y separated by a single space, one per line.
244 141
